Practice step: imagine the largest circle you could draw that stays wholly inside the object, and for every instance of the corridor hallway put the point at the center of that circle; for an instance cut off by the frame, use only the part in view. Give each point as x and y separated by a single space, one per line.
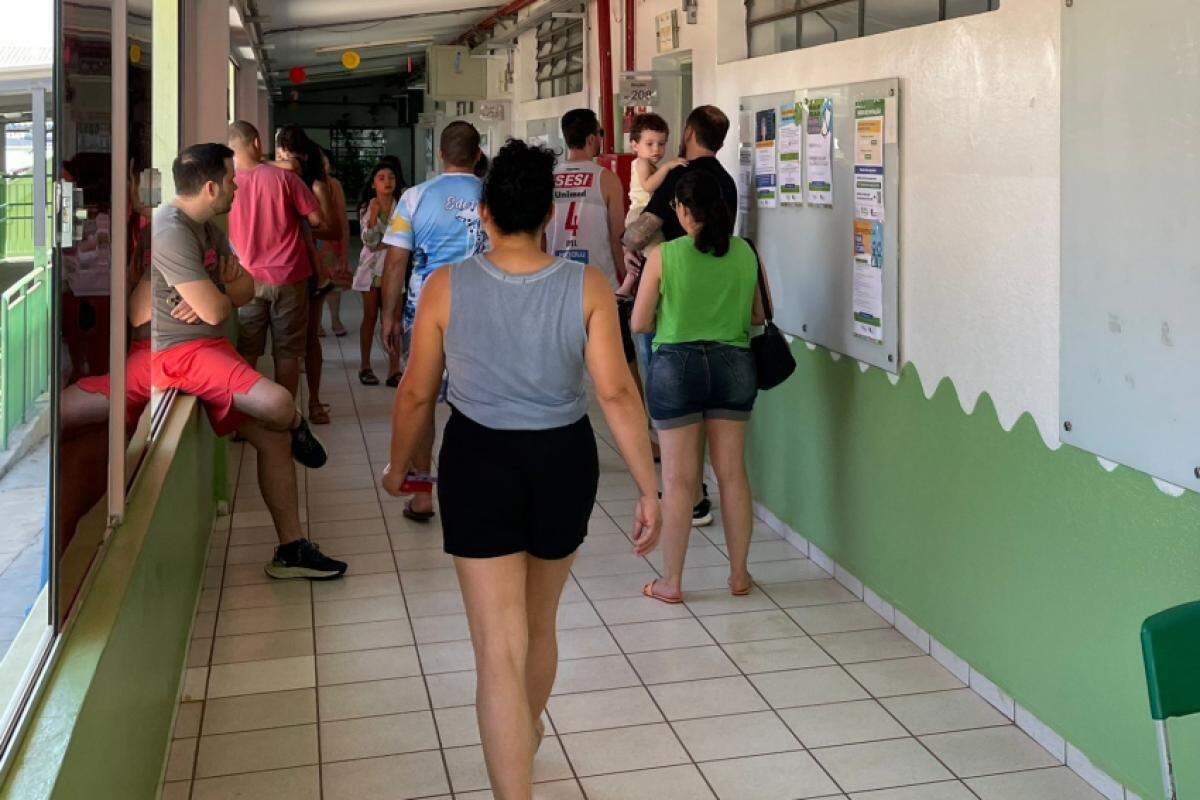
362 689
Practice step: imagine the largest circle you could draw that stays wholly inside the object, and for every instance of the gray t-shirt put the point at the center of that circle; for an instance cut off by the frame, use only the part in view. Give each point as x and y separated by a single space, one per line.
184 251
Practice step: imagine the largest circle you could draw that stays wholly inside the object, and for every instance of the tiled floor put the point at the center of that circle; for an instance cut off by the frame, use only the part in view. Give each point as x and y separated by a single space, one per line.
363 688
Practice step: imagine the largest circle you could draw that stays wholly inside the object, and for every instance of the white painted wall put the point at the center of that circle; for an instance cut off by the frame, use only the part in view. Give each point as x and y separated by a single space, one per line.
979 288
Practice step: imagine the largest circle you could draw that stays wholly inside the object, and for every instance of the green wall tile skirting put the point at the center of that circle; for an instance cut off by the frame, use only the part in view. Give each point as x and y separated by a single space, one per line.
1035 566
102 726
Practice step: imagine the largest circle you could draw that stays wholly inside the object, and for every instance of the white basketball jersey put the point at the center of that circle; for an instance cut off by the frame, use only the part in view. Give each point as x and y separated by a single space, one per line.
579 229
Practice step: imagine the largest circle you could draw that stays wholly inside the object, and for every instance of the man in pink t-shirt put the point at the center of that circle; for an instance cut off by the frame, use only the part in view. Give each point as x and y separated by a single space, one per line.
264 229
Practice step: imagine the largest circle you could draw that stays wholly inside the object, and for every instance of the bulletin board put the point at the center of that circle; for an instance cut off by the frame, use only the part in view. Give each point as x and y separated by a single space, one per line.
1130 279
808 250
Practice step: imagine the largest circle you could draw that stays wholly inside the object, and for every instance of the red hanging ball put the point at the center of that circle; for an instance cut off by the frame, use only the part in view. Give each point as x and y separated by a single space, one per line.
297 75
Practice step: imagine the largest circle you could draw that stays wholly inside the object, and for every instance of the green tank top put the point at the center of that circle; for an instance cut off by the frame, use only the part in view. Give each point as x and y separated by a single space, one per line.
705 298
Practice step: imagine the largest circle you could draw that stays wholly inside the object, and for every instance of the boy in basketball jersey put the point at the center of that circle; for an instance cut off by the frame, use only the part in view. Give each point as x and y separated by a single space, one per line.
589 204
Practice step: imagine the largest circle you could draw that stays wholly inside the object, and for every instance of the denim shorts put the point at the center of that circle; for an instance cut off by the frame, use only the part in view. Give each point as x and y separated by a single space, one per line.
692 382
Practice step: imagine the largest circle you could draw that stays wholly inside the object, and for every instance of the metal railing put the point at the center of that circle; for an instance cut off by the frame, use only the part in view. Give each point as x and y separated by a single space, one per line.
16 216
24 349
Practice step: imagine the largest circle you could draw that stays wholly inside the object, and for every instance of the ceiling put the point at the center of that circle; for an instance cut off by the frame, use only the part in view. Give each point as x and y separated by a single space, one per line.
383 32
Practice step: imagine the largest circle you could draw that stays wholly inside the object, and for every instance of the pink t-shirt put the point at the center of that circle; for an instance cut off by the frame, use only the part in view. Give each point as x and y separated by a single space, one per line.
264 224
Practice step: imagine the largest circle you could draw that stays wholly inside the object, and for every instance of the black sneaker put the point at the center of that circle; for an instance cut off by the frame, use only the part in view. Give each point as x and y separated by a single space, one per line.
306 447
702 511
303 559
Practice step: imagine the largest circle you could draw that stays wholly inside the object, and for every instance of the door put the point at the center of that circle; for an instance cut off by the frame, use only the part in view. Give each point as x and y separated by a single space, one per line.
102 116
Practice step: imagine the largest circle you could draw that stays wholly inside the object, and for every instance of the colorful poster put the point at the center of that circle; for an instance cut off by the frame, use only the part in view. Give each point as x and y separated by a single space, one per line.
868 280
868 160
819 151
790 169
765 167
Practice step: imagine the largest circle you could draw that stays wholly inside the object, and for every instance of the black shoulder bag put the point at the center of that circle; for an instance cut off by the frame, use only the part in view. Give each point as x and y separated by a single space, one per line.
772 355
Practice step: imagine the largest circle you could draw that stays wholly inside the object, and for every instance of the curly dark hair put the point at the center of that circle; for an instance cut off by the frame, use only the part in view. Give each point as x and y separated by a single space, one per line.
519 188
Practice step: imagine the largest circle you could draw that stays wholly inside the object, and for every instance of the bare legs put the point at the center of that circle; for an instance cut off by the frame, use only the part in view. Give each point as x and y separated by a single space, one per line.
683 454
727 452
274 414
287 373
334 301
682 449
511 603
314 360
366 334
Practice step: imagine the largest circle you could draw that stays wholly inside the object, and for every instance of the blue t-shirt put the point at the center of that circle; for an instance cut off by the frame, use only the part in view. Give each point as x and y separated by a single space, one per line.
438 222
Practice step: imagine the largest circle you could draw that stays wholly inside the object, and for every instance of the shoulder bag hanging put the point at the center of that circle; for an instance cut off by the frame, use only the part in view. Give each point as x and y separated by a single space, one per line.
772 355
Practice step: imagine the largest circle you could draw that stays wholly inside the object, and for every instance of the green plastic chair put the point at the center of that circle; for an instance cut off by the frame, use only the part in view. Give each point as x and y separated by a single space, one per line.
1171 650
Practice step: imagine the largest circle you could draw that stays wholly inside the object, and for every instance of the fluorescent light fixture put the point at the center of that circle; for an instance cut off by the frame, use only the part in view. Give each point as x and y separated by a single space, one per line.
235 19
245 52
337 48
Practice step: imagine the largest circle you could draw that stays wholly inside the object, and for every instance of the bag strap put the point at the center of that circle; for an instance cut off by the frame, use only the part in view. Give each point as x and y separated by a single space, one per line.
768 309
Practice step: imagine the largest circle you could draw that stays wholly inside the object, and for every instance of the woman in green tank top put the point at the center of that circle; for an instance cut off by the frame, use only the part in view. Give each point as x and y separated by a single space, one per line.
699 295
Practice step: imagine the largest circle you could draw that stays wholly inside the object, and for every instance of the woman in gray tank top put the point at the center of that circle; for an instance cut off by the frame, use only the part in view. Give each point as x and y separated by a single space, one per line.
516 330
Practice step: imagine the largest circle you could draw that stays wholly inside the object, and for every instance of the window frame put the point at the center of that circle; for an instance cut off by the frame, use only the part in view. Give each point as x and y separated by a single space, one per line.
799 11
557 59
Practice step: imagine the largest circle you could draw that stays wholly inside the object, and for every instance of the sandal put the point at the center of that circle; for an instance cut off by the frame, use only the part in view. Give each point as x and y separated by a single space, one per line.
318 414
648 591
416 516
339 332
394 379
368 378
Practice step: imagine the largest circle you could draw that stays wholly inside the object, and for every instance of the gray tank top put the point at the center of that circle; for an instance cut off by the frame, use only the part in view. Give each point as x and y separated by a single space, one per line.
515 345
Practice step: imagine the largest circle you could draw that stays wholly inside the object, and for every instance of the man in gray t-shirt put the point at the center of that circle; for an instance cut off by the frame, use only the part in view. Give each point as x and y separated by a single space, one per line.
196 283
184 251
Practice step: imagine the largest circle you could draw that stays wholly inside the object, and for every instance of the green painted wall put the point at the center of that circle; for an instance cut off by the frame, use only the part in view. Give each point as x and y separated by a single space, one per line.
1036 566
102 728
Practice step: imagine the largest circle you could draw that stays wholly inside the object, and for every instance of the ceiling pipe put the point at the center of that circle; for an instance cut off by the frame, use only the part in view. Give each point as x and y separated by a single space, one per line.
604 45
630 13
476 32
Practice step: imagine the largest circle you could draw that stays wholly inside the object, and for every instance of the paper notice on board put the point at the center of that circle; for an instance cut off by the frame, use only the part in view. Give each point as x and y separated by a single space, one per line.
819 151
868 280
745 182
790 170
765 167
869 173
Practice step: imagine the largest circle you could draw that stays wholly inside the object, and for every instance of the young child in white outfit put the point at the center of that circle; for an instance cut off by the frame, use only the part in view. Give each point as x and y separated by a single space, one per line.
648 134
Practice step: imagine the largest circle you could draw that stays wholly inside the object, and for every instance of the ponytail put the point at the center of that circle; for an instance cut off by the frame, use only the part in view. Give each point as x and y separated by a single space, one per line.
701 194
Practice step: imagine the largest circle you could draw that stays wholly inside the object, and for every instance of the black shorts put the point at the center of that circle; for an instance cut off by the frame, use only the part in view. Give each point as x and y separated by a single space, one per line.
625 314
505 492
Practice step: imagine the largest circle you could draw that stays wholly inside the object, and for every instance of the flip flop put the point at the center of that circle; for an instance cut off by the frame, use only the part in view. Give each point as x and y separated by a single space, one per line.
368 378
740 592
340 332
318 414
416 516
394 379
648 591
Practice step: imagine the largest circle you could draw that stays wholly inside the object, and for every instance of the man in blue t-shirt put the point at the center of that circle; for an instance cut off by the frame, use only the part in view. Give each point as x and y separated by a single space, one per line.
436 223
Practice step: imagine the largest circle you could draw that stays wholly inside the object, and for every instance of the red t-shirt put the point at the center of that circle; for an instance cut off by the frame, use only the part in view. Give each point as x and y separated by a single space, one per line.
264 224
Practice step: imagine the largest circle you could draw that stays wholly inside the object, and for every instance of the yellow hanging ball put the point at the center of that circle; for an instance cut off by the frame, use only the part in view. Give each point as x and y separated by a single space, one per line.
351 59
135 54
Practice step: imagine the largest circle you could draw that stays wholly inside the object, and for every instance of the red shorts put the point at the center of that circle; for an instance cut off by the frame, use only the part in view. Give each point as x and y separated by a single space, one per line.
137 383
211 370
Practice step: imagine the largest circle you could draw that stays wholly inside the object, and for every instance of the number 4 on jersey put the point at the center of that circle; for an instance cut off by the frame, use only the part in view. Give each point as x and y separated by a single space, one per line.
572 222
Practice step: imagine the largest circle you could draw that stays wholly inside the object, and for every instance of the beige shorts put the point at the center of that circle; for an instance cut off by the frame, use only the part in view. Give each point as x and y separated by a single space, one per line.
281 309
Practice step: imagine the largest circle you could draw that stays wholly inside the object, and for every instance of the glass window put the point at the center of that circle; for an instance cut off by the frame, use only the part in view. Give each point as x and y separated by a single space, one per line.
964 8
776 26
882 16
559 69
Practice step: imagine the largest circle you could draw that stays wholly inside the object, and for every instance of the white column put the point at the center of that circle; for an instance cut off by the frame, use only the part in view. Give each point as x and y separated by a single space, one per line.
247 95
38 99
205 71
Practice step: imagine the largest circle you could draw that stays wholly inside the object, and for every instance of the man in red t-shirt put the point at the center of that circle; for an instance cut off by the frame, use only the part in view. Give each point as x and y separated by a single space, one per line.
264 229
